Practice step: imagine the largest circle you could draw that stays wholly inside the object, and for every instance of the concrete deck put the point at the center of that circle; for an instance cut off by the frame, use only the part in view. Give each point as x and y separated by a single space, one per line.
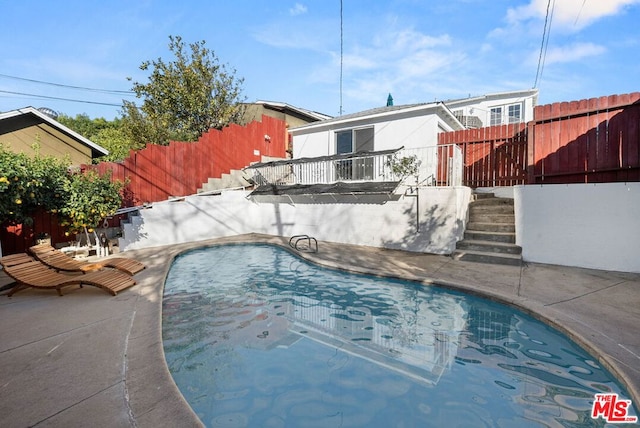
91 359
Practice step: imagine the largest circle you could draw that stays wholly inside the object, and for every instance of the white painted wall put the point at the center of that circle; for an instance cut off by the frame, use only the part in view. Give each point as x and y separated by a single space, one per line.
586 225
391 224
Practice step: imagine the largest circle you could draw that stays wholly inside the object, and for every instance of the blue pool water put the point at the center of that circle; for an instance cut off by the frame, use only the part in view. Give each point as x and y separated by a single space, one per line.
254 336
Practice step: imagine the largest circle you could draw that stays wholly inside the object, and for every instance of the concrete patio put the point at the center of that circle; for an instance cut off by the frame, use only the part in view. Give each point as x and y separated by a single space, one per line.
91 359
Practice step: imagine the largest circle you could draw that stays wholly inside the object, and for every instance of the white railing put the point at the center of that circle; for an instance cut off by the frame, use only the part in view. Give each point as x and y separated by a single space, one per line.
438 166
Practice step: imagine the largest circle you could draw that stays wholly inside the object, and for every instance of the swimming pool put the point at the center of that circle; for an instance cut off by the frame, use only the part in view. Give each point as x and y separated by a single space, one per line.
255 336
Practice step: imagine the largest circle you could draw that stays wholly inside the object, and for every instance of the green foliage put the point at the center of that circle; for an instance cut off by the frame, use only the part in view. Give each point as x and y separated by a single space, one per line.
86 126
404 166
183 98
109 134
29 183
90 198
43 182
116 141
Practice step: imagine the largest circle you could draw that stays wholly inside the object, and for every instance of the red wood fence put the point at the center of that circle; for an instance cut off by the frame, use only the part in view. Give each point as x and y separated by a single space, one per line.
587 141
156 173
17 238
494 156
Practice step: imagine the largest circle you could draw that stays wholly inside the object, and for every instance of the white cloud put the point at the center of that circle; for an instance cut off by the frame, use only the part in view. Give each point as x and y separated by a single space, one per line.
569 14
298 9
404 62
572 53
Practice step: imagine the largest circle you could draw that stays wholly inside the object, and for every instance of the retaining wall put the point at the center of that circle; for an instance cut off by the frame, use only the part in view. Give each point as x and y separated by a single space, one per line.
371 221
585 225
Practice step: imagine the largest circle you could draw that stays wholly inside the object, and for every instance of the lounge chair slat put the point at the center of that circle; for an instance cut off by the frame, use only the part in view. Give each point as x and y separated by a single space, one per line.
35 274
58 260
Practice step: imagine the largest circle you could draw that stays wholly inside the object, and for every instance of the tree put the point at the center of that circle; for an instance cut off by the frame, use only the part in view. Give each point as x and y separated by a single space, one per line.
44 182
89 199
183 98
108 134
27 184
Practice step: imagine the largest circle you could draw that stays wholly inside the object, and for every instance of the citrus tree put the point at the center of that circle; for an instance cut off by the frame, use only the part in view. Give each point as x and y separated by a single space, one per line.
90 198
81 200
28 183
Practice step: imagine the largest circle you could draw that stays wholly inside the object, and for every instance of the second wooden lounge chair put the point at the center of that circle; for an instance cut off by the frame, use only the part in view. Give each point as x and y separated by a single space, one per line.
30 273
59 261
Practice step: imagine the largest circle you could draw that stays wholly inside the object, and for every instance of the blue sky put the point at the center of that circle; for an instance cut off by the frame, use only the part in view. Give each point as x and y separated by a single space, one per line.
289 51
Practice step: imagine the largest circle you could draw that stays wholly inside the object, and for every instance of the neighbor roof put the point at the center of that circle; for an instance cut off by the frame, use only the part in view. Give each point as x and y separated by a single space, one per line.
493 96
11 121
300 111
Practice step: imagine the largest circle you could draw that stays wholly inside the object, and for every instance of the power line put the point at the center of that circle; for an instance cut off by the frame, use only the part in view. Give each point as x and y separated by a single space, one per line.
341 53
579 12
545 42
60 85
60 99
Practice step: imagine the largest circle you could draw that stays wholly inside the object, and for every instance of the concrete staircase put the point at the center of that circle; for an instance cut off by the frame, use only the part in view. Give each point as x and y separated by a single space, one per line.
234 179
490 235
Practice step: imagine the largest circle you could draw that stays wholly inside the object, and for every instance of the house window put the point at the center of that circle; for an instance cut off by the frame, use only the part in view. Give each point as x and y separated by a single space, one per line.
354 141
515 113
496 116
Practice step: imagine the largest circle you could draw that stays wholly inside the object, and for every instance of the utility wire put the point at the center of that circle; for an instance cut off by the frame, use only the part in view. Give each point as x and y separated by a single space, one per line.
59 98
545 41
341 53
579 12
106 91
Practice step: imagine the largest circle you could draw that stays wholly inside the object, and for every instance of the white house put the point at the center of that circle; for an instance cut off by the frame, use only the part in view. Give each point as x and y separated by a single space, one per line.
384 128
409 126
414 128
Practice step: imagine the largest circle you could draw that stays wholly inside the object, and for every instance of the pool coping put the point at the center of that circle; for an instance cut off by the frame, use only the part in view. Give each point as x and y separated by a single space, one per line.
599 310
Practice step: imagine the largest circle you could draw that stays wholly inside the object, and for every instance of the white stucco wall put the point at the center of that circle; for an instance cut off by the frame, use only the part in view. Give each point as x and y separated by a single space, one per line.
586 225
388 224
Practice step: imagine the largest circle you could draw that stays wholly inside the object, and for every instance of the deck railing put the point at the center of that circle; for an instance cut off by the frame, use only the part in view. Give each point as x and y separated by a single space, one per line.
437 166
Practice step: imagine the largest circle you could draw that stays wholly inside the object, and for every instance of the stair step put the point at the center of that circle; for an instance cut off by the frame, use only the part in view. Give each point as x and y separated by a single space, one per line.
488 246
481 235
491 209
482 217
490 258
491 227
477 196
491 202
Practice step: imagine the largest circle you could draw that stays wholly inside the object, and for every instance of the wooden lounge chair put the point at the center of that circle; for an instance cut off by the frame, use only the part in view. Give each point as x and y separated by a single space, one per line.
28 272
59 261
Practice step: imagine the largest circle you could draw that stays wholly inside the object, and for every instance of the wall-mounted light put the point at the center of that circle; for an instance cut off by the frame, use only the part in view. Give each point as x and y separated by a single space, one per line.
267 138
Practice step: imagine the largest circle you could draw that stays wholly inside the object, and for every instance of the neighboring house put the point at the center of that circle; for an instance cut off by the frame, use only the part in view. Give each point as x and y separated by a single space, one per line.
292 116
21 129
501 108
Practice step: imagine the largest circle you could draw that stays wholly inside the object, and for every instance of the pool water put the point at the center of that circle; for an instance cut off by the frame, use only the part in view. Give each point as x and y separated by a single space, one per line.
255 336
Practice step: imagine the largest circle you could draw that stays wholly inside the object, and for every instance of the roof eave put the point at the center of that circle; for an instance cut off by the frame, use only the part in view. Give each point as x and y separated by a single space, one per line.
95 148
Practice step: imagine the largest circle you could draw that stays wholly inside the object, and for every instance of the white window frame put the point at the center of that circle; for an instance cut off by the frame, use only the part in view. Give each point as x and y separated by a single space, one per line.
495 116
514 119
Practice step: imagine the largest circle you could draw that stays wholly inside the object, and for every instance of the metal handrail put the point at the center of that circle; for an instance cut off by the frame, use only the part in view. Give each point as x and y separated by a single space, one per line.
299 238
